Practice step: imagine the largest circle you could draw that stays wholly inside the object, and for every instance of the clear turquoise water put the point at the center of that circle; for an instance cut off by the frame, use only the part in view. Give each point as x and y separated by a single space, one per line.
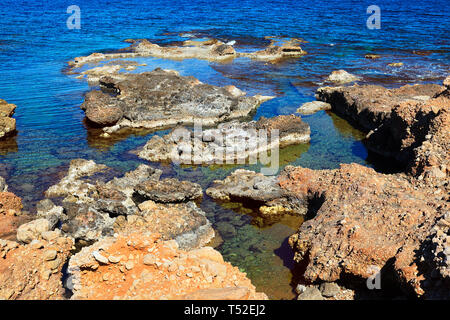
35 46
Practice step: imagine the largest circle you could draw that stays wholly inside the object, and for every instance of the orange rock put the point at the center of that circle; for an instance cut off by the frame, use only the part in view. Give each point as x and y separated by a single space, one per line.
160 271
10 215
33 271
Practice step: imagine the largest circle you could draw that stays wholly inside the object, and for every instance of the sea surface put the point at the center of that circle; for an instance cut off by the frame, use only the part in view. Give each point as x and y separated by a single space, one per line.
35 45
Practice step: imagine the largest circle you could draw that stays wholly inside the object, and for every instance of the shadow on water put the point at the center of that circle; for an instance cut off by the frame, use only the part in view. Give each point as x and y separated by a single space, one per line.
8 145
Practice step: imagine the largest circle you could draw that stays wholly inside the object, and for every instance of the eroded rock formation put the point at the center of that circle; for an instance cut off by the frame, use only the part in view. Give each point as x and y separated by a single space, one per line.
11 216
95 203
161 99
262 192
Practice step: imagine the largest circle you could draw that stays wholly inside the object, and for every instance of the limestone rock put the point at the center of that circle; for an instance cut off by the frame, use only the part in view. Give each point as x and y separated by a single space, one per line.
342 76
161 99
312 107
33 271
228 143
96 203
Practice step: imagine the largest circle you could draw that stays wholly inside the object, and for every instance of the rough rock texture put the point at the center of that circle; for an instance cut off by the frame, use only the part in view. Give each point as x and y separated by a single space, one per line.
364 219
312 107
417 134
33 271
324 291
11 216
342 76
183 222
161 99
229 142
436 252
260 191
7 123
369 106
141 266
169 190
96 203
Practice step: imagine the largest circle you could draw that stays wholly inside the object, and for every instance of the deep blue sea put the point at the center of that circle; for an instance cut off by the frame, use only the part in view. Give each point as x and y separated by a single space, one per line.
35 45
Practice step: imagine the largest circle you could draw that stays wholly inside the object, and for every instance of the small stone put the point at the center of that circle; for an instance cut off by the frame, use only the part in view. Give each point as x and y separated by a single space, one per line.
300 288
129 265
50 255
114 259
310 293
149 259
100 258
329 289
54 264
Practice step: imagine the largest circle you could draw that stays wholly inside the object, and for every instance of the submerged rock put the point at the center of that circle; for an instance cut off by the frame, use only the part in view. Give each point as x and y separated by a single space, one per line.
161 99
312 107
96 203
151 269
396 64
228 143
7 123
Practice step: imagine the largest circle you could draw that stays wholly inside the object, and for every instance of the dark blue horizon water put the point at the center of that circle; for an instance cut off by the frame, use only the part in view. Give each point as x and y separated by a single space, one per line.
35 46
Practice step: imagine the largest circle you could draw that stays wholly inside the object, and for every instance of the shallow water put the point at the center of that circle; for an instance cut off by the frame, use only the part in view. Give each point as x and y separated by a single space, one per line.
35 46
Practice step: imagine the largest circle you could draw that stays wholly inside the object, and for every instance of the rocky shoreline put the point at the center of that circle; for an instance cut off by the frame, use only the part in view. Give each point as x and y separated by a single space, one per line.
359 220
141 235
134 228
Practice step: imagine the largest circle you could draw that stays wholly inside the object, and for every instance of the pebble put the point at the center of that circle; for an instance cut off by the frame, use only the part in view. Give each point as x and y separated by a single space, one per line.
310 293
114 259
50 255
99 257
329 289
129 265
149 259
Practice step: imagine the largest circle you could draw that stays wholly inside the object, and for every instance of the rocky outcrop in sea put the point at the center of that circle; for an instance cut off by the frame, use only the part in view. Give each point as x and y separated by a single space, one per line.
228 143
211 49
163 99
7 122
